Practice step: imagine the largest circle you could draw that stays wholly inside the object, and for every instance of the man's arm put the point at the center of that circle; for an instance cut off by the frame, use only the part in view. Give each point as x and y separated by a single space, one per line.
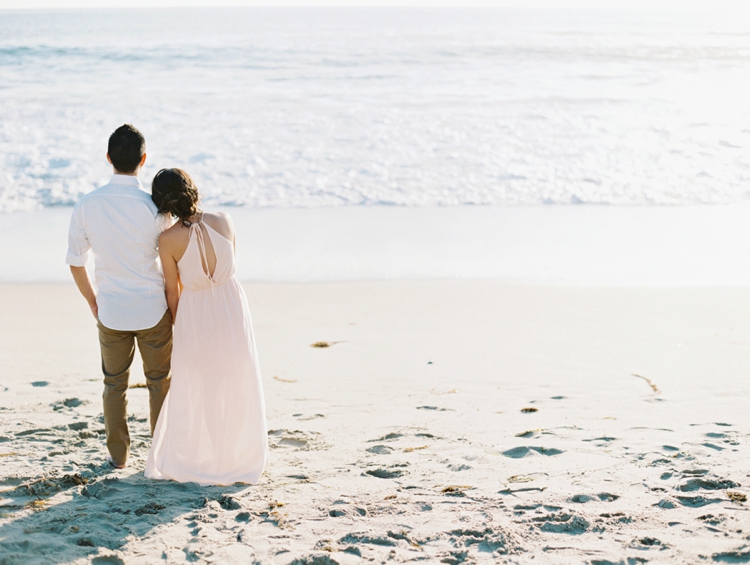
83 282
78 254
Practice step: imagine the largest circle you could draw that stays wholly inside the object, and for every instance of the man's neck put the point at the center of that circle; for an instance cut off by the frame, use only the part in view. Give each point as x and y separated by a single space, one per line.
133 174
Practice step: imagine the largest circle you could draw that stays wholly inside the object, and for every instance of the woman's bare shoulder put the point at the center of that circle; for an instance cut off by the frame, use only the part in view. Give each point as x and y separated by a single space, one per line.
172 231
172 235
221 222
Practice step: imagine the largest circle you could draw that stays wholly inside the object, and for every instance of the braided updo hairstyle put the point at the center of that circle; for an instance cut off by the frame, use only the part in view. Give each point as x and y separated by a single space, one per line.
175 193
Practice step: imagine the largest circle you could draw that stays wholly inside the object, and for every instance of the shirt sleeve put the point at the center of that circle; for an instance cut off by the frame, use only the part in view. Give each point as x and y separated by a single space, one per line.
78 243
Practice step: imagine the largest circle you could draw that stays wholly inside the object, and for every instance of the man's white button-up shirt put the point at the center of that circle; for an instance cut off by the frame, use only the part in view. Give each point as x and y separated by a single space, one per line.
120 224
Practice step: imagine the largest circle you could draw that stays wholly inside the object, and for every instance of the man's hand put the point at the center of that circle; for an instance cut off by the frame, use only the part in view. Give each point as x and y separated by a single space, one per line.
83 282
94 308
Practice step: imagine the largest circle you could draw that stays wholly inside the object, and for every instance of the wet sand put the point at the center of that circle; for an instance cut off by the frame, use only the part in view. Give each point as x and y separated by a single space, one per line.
448 421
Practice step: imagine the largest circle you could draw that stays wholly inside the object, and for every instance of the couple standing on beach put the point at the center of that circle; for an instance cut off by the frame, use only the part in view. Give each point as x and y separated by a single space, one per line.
209 427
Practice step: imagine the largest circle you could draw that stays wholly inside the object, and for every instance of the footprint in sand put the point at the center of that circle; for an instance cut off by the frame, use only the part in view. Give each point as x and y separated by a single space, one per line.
603 439
524 451
739 555
101 489
68 403
617 518
533 433
50 486
361 538
707 484
228 502
697 501
562 523
602 496
648 543
387 437
711 519
695 472
295 439
338 513
149 508
526 478
380 449
390 473
727 438
486 540
522 508
242 517
37 432
456 467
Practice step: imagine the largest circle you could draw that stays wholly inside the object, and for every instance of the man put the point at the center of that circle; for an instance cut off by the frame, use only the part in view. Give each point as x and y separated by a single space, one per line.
121 225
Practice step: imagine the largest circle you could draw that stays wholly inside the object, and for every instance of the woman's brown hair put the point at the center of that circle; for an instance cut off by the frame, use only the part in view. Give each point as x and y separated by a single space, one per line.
175 193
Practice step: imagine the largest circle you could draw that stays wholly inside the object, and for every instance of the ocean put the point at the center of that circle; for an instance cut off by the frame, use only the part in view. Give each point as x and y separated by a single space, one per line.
300 110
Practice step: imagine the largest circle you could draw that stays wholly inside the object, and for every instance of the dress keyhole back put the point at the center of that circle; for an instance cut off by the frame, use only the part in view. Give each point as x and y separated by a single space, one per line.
205 248
208 260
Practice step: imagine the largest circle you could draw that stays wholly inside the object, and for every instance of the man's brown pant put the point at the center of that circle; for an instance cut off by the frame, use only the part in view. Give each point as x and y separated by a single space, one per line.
118 348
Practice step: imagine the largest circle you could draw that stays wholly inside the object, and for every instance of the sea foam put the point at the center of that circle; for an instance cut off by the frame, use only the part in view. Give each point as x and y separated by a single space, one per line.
409 107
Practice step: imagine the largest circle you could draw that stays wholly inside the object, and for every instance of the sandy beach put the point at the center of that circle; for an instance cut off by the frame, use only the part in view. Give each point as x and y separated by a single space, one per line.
496 259
447 421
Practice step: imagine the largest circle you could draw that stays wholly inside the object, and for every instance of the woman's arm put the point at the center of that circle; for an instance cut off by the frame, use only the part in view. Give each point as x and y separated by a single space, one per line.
172 284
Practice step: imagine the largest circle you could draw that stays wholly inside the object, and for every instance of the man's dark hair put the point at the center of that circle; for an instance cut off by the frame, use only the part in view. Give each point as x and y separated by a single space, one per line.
126 148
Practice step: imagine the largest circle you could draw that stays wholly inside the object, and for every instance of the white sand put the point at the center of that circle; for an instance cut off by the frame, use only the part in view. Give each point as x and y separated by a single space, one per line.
406 440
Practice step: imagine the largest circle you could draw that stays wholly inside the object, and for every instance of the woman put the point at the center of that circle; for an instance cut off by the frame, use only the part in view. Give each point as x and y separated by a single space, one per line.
212 426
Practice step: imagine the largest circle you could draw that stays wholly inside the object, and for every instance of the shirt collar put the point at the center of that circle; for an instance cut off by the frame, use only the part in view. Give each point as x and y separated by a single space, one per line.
127 180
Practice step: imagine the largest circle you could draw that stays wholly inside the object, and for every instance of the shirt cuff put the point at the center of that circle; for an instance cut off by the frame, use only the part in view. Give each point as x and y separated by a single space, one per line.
76 260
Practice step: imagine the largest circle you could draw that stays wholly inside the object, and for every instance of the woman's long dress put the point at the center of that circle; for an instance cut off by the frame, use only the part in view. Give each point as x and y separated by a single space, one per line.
212 426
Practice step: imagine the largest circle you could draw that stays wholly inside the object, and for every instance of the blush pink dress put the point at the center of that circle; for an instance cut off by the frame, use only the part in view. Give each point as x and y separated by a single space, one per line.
212 426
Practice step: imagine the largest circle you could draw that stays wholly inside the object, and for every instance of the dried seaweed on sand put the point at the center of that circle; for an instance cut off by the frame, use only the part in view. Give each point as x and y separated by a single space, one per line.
650 383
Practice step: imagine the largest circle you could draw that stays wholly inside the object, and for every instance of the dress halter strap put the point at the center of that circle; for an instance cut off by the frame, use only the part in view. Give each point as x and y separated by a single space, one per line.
195 228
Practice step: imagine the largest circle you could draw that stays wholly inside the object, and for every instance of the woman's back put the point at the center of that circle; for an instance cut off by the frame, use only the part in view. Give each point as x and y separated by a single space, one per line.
204 250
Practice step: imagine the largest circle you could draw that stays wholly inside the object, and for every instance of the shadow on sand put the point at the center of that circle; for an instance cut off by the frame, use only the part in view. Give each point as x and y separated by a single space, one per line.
105 513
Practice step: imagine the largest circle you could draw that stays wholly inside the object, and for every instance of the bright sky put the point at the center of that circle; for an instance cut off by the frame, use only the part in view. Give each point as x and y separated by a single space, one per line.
712 5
